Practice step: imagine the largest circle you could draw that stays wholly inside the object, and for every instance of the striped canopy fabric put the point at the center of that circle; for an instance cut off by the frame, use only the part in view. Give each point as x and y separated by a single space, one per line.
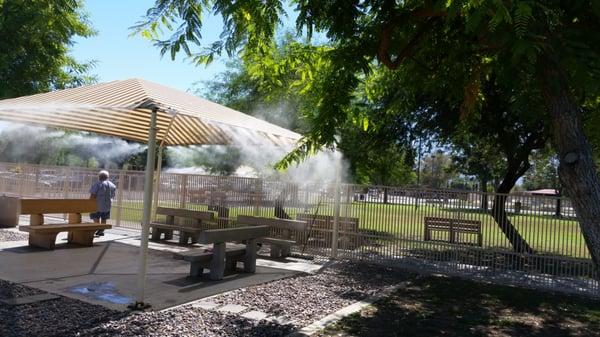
122 109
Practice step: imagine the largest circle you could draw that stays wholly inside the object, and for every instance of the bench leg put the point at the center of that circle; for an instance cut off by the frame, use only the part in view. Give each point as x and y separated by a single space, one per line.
42 240
196 270
286 251
250 257
168 234
183 238
275 251
217 263
82 237
155 234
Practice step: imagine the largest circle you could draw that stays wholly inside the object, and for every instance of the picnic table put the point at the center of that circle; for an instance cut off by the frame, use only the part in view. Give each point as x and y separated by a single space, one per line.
186 231
224 254
283 233
44 235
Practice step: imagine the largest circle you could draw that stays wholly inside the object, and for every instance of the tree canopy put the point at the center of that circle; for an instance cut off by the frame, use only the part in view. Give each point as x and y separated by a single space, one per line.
36 36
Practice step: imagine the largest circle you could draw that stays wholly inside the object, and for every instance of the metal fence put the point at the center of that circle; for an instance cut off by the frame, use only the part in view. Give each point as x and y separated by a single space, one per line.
531 241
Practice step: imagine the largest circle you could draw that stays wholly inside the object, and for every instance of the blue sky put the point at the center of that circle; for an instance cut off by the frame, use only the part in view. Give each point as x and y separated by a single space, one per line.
120 56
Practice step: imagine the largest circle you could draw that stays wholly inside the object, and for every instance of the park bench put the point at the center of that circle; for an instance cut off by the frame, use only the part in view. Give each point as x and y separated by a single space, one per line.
454 227
321 228
186 231
224 256
281 233
44 235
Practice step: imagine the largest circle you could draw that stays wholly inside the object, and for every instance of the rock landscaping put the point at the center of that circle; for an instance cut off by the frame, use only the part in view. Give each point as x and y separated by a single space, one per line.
7 235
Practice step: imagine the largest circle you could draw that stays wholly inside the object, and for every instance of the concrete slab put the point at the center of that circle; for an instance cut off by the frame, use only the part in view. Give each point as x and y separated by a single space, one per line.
232 308
105 274
255 315
206 305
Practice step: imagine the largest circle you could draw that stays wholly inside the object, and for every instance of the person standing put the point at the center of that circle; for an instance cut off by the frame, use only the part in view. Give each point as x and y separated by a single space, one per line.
103 191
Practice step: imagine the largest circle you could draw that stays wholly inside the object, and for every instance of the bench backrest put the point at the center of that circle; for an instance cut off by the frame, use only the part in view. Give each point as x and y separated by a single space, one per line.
185 213
233 234
53 206
456 223
296 225
326 221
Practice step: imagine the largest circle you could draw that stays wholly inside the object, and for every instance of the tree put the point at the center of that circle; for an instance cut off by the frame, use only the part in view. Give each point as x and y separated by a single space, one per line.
543 172
36 35
552 44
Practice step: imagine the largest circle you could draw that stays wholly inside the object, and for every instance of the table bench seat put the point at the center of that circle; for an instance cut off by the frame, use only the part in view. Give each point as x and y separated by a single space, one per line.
44 236
201 258
283 233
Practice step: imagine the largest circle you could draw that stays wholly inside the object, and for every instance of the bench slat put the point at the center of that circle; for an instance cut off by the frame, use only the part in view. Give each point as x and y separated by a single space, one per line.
64 227
53 206
186 213
297 225
232 234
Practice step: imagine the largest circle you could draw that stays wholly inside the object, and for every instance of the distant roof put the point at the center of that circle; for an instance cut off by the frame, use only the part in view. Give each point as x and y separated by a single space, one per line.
121 108
544 191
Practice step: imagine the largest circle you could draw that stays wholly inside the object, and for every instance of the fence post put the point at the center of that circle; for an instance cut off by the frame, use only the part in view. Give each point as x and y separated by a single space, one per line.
257 196
120 193
184 191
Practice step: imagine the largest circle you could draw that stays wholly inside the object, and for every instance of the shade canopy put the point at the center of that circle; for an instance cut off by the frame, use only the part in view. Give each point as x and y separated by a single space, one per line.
122 109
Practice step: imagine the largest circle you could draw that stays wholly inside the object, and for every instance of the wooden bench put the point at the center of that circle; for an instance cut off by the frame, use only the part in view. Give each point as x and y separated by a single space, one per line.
221 256
186 231
281 232
44 235
454 227
321 228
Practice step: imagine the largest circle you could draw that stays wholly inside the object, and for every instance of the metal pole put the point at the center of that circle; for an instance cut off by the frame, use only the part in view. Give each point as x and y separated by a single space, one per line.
141 281
157 180
336 210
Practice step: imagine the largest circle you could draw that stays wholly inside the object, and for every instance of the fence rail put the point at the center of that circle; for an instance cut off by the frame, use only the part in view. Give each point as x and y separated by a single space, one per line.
519 239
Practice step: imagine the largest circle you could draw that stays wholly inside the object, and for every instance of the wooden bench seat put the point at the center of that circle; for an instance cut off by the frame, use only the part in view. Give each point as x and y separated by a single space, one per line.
186 231
281 233
321 229
216 259
452 227
44 235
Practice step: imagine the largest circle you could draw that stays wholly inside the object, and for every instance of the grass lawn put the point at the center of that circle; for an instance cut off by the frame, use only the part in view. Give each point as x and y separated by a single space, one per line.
440 306
546 234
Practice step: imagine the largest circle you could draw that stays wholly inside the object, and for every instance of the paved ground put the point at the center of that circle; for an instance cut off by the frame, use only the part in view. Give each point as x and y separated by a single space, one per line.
105 274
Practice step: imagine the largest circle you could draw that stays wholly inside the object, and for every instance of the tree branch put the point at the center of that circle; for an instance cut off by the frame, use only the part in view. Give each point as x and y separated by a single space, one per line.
386 37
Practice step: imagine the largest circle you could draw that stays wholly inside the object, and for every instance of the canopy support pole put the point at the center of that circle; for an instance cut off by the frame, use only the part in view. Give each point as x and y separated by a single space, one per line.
157 180
149 177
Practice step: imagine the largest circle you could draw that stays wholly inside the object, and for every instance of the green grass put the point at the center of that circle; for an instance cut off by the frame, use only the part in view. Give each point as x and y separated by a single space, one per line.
546 234
438 306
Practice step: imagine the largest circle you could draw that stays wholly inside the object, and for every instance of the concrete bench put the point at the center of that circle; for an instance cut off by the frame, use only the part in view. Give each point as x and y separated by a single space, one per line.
216 259
44 235
281 232
186 232
453 227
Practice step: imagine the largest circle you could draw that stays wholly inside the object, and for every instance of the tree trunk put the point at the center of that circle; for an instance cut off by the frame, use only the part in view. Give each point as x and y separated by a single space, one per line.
385 195
577 170
499 214
484 196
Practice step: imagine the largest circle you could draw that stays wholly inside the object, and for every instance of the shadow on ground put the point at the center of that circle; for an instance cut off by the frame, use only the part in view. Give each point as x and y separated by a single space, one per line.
438 306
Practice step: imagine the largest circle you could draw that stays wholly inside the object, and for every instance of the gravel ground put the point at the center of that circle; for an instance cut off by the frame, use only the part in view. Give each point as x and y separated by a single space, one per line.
58 317
6 235
306 299
301 299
